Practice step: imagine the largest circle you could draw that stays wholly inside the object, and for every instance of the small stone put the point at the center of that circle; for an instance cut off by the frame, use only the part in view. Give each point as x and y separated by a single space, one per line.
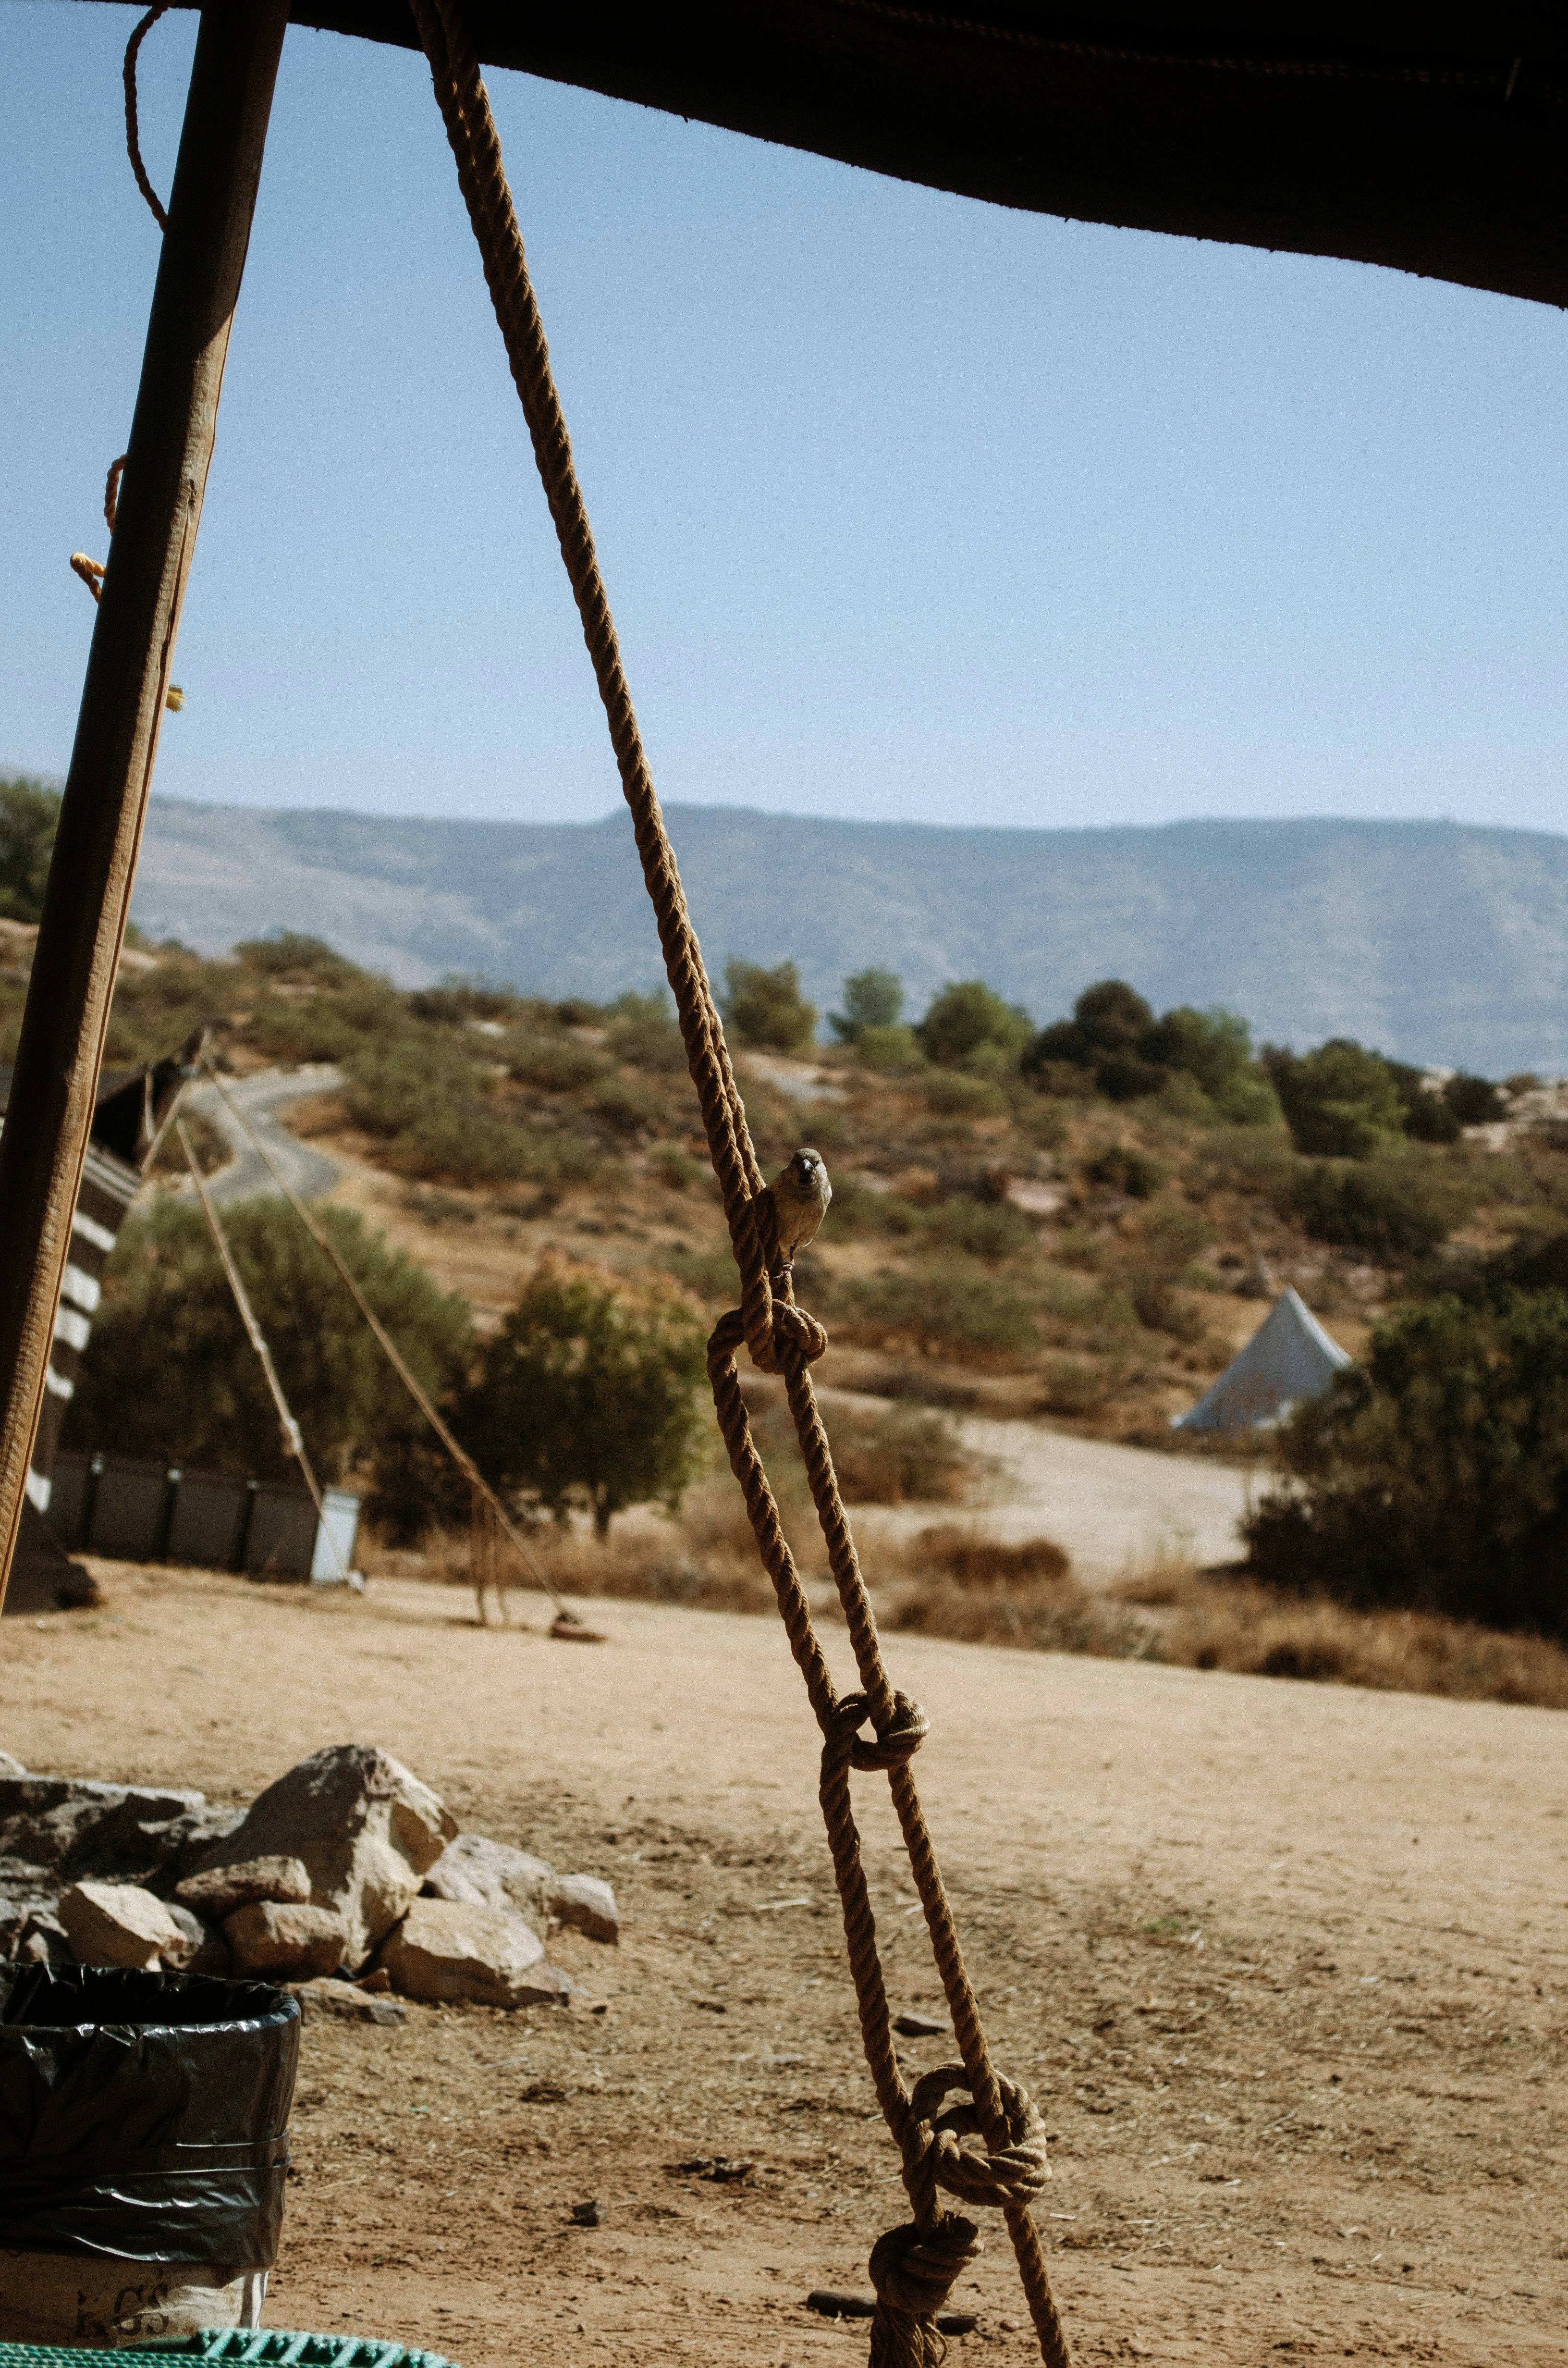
726 2170
277 1939
587 1905
918 2026
207 1952
351 2001
220 1890
119 1924
588 2215
956 2322
831 2304
43 1940
448 1949
9 1767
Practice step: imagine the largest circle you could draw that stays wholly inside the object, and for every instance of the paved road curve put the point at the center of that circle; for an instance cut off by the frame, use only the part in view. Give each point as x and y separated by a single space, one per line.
309 1172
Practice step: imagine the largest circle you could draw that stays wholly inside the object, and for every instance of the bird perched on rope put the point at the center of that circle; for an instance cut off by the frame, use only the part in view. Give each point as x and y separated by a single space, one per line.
800 1193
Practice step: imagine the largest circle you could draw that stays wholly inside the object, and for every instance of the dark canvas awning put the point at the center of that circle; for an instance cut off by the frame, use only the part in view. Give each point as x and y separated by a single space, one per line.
1433 139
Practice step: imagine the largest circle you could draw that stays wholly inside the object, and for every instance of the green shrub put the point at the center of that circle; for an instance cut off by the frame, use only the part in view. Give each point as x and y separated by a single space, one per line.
1340 1103
1475 1101
677 1171
968 1020
1427 1117
292 951
29 816
765 1007
644 1033
952 1093
892 1050
168 1371
1382 1207
593 1393
556 1064
905 1455
1438 1476
459 998
1106 1036
873 1001
986 1229
946 1302
1123 1169
428 1108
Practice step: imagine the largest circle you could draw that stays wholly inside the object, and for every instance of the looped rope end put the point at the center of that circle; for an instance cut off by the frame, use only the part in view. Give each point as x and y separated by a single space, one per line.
914 2271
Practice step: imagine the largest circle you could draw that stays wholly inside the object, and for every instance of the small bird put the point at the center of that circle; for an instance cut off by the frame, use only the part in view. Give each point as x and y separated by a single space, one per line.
800 1195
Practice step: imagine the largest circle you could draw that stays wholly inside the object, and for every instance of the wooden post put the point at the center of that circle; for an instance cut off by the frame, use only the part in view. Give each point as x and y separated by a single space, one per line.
88 894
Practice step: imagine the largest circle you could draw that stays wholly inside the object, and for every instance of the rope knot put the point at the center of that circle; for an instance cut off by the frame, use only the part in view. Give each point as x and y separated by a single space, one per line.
896 1743
935 2154
914 2271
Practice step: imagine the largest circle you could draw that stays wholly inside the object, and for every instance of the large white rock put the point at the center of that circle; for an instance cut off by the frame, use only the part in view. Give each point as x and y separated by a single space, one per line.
120 1924
492 1875
448 1948
367 1830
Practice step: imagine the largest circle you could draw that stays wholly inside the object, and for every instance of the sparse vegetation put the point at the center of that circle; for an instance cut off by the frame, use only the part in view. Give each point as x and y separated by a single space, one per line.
29 815
588 1396
766 1007
1033 1235
1434 1474
169 1371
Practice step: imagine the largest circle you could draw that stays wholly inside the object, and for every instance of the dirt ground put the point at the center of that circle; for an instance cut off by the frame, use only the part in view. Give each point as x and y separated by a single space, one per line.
1286 1968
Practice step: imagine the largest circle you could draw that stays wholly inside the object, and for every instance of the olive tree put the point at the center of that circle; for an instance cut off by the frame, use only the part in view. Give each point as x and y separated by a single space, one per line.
588 1394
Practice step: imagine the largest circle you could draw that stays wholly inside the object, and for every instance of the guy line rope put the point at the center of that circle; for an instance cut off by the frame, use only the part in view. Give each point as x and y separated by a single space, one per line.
913 2267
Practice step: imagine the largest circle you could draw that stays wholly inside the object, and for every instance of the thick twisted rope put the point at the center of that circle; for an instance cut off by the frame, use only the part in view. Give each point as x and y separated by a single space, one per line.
913 2267
132 129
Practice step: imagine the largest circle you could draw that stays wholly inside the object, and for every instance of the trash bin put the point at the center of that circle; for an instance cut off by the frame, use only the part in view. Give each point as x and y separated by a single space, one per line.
143 2147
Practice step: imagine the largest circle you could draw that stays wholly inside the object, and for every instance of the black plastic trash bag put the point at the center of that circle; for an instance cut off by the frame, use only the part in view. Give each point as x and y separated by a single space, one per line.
144 2117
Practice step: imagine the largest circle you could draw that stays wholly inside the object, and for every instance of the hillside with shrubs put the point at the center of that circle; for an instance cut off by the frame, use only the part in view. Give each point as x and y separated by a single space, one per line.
1081 1220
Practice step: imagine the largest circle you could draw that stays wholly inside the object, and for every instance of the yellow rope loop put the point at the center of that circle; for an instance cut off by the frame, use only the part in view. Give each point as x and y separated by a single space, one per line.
92 573
132 140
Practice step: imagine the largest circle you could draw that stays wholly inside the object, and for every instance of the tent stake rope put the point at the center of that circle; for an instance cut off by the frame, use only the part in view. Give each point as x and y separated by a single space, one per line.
293 1439
465 1463
913 2267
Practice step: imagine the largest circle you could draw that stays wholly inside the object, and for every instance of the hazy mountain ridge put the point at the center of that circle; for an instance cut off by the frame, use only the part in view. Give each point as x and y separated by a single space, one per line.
1434 941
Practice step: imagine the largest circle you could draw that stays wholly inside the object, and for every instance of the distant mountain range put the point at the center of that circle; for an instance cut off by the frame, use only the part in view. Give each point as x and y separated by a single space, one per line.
1435 942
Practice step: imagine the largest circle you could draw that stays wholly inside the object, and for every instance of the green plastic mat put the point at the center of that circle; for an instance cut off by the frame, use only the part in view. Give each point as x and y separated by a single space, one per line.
235 2347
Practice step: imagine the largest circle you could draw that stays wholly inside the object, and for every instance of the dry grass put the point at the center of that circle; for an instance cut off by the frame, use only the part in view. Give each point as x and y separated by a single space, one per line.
952 1579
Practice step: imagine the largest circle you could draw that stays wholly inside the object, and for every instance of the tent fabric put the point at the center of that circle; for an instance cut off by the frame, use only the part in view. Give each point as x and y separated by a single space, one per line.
1434 140
1288 1358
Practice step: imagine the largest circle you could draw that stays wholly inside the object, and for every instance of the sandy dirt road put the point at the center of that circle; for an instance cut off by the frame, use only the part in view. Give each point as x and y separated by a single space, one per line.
267 1098
1115 1508
1285 1968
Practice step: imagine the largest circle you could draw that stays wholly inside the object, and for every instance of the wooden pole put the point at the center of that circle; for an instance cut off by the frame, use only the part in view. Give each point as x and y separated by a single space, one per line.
88 894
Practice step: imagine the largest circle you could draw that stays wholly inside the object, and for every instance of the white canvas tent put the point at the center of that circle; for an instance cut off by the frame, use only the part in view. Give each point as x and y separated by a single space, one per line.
1288 1358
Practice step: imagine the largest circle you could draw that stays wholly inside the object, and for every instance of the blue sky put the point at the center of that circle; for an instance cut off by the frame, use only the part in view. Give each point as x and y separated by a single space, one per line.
909 507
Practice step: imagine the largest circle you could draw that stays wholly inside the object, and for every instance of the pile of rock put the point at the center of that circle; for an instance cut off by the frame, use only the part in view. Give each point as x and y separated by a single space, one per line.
346 1865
